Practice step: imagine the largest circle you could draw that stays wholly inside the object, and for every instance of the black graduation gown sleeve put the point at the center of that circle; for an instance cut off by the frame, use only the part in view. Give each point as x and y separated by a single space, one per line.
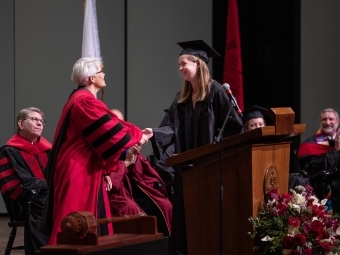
312 164
328 161
163 136
163 146
222 106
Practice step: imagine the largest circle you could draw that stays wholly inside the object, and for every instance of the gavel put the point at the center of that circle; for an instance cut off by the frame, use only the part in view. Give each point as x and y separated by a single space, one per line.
78 224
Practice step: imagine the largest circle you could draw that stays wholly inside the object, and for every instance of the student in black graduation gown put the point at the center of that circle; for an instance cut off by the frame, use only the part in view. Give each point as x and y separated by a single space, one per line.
253 117
193 120
256 117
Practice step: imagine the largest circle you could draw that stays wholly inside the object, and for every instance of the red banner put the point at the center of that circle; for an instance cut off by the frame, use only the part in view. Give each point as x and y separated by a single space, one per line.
232 70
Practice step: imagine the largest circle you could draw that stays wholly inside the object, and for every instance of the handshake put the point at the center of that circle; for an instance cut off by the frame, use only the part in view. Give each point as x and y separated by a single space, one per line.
147 134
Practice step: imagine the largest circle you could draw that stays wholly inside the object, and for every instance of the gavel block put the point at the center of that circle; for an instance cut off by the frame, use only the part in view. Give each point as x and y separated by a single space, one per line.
80 227
89 239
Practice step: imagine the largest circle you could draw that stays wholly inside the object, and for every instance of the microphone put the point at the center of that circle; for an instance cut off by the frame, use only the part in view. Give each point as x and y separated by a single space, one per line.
226 88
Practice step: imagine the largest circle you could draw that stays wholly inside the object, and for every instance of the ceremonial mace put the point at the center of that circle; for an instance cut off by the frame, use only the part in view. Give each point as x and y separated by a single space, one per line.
79 224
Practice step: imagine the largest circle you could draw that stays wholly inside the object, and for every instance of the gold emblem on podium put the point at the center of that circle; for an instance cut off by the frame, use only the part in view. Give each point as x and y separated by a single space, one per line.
271 179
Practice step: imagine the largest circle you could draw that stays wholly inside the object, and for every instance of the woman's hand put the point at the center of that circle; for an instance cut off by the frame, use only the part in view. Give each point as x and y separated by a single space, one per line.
108 182
131 155
136 148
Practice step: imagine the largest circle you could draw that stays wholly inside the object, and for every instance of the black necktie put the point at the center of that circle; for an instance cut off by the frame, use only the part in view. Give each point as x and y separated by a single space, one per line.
331 142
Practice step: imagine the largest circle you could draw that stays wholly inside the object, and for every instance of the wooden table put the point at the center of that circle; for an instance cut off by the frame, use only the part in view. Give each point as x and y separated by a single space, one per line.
117 244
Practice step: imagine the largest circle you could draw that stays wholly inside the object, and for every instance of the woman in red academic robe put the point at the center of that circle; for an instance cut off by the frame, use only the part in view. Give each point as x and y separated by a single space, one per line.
88 141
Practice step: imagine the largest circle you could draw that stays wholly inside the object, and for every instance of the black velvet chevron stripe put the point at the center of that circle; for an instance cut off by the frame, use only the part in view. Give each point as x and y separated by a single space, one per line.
95 125
107 135
120 144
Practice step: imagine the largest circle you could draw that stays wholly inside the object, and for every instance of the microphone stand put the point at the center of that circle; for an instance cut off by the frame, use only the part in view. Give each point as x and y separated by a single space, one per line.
218 139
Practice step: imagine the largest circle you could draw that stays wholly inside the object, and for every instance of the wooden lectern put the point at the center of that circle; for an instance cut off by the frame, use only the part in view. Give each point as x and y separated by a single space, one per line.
252 162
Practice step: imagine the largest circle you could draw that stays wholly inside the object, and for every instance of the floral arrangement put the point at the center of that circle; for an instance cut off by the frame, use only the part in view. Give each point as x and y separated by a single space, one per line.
295 223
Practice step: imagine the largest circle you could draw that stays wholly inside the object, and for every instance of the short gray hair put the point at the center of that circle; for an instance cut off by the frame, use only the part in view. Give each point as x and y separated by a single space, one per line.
24 114
329 110
85 68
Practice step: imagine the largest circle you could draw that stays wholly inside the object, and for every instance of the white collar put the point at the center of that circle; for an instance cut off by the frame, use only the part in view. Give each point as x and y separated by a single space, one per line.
331 137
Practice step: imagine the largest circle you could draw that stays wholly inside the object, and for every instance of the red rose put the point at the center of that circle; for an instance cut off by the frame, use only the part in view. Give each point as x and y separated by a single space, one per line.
294 221
285 195
318 210
272 194
294 252
285 198
281 209
307 251
325 246
306 229
304 218
317 226
299 239
287 242
325 234
318 237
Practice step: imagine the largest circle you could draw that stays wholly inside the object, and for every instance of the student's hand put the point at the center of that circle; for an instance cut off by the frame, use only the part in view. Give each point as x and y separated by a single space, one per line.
148 132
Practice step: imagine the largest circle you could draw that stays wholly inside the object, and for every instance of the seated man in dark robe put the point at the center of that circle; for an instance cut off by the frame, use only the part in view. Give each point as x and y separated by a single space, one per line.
137 187
22 164
321 152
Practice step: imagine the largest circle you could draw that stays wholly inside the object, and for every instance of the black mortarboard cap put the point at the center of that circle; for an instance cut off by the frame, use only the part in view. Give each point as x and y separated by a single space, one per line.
199 49
254 112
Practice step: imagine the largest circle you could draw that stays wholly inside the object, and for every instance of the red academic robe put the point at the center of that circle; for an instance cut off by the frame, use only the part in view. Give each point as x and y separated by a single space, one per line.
22 166
145 177
120 196
95 138
15 177
142 175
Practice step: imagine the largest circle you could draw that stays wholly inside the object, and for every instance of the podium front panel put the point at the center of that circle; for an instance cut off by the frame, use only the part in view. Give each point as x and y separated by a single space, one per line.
243 174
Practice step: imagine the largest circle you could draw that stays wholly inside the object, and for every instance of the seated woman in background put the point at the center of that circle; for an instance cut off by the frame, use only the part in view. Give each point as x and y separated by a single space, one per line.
253 117
137 187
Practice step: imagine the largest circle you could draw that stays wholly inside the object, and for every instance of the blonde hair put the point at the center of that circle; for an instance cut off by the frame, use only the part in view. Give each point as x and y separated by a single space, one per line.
204 81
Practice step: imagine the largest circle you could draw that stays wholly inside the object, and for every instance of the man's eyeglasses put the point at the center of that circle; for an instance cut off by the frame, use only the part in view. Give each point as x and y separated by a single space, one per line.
101 71
35 120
